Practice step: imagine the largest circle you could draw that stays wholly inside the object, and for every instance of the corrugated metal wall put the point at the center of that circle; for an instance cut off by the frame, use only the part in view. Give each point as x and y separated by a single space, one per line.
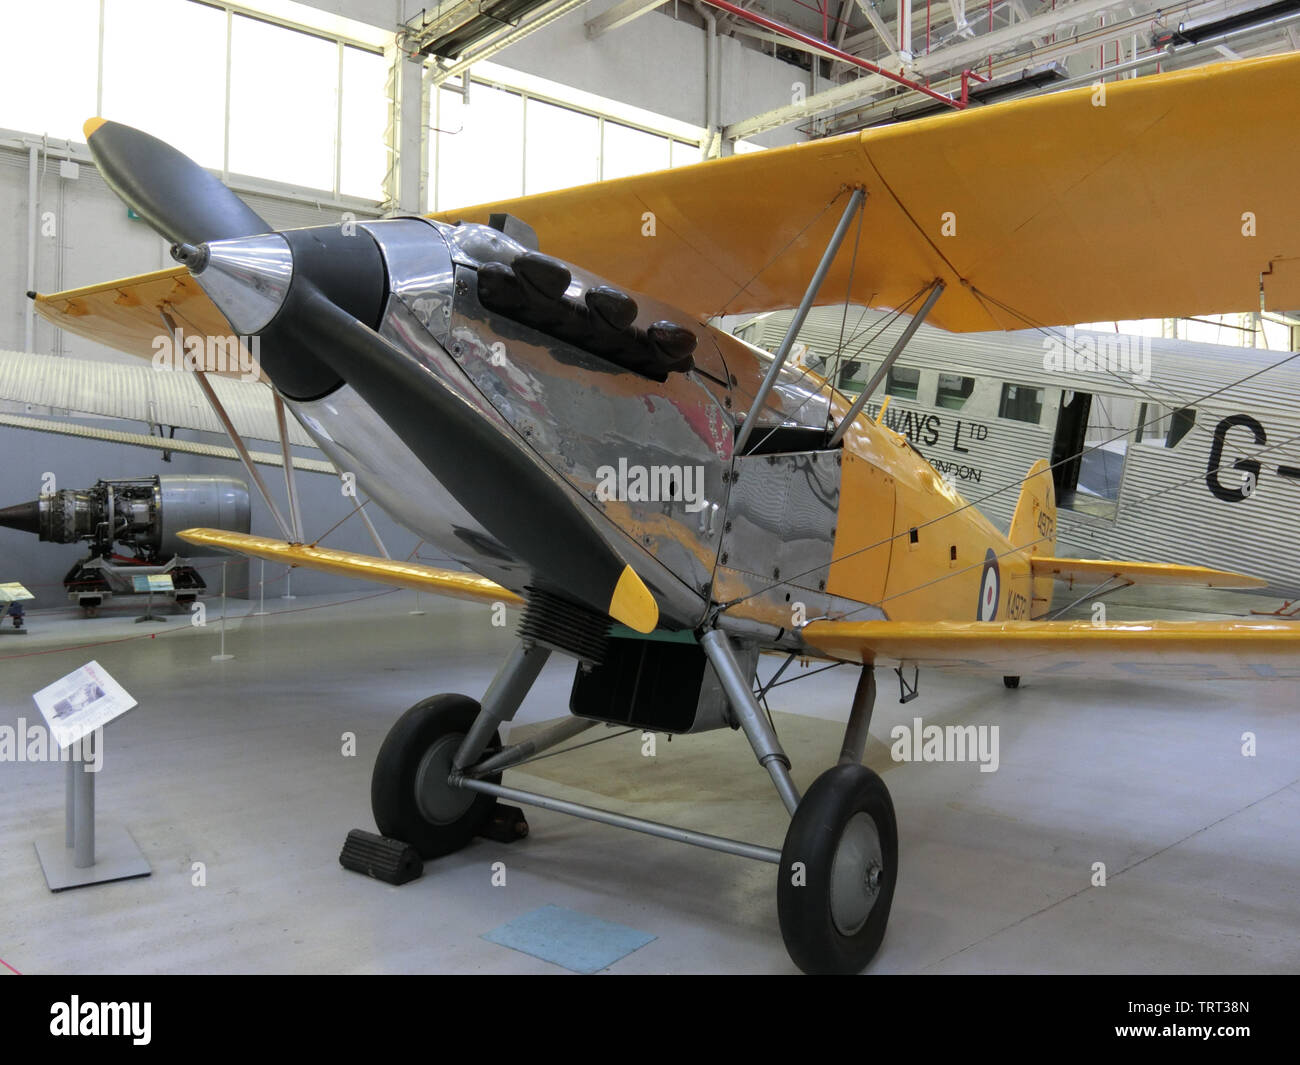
140 393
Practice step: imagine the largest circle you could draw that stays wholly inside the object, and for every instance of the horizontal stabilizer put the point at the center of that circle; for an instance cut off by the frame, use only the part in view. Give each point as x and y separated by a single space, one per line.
1095 571
1168 650
363 567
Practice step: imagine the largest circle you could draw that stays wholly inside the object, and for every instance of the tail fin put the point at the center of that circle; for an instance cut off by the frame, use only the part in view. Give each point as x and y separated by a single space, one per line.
1033 527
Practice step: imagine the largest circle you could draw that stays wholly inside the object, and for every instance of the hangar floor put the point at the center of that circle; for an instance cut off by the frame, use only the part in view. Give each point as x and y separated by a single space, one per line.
238 765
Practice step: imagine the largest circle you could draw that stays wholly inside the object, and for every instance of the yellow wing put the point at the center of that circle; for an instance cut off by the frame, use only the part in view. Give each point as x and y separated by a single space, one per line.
1132 205
1170 650
126 314
363 567
1095 571
1052 210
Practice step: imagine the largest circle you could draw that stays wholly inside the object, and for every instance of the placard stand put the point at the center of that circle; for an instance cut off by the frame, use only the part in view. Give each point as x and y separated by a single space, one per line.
78 858
157 582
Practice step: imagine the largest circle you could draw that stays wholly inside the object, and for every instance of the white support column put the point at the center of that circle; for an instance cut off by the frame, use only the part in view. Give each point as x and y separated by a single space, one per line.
33 192
404 192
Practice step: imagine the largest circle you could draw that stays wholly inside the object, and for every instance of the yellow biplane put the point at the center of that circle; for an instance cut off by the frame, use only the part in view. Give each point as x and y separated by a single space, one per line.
532 386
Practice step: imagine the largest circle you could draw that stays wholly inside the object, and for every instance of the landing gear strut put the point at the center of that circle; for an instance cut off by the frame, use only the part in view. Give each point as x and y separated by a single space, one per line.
839 863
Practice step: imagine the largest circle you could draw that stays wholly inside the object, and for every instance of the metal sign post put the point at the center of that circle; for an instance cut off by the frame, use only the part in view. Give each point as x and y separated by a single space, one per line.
80 858
261 590
223 657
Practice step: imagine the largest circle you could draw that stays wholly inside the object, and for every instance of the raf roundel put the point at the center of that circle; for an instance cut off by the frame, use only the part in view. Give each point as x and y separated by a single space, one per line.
990 588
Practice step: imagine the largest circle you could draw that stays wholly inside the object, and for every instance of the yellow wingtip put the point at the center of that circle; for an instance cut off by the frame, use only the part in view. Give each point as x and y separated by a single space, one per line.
91 125
632 603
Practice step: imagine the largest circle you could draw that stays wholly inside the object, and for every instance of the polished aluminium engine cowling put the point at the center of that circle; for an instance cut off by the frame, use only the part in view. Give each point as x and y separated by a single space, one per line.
592 424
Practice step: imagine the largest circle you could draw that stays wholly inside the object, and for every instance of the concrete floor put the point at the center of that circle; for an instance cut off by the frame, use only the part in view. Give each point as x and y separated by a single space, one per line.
238 765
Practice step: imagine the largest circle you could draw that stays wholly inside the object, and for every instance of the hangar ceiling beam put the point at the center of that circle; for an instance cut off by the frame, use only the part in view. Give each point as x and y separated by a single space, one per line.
531 23
937 62
879 25
831 52
777 38
620 15
985 44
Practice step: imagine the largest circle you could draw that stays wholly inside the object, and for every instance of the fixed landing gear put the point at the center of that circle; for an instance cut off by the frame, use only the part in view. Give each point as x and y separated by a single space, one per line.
438 777
409 791
412 793
838 870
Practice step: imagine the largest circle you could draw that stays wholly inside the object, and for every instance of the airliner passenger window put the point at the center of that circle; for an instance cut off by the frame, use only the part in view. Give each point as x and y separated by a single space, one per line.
954 390
902 382
1021 403
1160 426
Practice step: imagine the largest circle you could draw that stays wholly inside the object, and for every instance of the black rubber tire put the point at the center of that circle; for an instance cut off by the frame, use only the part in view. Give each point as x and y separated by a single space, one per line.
813 940
1011 682
393 798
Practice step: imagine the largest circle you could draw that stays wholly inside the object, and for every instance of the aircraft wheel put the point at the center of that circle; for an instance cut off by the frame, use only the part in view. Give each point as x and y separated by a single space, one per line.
838 869
1011 682
409 793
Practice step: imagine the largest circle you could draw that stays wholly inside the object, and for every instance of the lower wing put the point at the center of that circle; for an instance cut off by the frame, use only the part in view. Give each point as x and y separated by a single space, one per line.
364 567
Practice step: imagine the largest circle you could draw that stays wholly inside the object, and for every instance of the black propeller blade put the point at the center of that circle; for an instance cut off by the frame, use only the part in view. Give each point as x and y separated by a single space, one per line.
177 197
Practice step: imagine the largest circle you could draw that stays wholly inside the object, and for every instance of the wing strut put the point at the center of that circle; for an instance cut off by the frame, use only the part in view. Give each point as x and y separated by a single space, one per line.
238 441
290 488
374 533
796 323
936 290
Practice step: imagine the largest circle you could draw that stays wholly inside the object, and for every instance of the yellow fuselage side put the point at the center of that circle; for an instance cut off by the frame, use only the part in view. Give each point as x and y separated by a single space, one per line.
937 573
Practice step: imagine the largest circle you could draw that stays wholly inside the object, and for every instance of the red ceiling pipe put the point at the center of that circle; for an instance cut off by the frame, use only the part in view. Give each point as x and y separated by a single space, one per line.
966 76
829 50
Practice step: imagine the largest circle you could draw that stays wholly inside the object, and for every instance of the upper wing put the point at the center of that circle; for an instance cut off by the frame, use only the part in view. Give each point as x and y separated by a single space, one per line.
1094 570
364 567
1152 165
1208 650
1019 207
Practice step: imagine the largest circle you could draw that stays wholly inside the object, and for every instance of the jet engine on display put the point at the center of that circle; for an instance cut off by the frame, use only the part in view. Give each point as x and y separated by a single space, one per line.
131 527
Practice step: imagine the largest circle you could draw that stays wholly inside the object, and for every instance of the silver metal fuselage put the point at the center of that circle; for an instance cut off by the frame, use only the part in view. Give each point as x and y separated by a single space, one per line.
579 417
